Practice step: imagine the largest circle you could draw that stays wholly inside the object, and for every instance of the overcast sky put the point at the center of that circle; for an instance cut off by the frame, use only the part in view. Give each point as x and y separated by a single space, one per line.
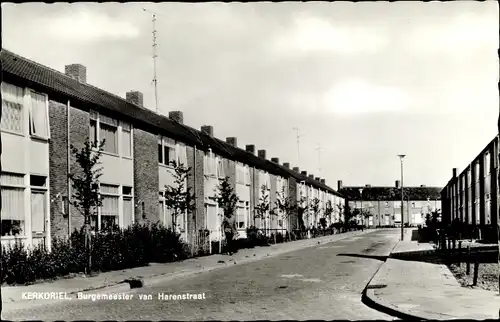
365 81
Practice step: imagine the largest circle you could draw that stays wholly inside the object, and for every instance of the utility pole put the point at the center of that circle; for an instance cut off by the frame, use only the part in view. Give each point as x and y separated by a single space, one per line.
298 145
155 80
401 156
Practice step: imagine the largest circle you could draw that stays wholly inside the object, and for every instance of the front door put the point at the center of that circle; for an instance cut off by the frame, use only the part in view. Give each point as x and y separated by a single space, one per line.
39 217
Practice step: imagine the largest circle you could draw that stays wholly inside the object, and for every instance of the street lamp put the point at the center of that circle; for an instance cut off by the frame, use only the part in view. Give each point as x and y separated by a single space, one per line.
401 156
361 193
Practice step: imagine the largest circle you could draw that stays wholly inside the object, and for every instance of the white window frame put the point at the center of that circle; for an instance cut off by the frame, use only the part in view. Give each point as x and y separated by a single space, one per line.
44 189
171 144
24 103
122 201
487 164
126 127
29 92
221 171
108 194
24 188
98 139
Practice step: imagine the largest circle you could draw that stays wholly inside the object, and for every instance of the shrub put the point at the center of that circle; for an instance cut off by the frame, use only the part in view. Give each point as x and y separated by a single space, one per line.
115 249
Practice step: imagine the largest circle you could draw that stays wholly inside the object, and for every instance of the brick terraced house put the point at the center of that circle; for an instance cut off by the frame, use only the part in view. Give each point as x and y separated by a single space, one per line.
44 111
472 196
384 203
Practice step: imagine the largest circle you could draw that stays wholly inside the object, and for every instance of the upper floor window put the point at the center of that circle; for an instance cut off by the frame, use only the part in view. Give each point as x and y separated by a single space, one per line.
12 108
39 115
487 158
220 168
166 150
103 127
476 174
468 178
126 140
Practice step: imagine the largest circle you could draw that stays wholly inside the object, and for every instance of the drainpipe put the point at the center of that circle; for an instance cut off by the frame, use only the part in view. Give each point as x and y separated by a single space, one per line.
69 171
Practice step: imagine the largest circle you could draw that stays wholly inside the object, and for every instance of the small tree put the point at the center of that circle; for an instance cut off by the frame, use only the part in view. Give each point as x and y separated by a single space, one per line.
263 207
314 206
226 197
329 211
302 208
85 185
285 204
178 197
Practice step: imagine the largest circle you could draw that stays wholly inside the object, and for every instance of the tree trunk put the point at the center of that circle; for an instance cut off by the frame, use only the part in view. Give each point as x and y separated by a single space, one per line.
88 246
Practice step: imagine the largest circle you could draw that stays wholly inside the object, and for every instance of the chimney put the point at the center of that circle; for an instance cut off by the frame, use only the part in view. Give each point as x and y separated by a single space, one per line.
422 186
311 176
317 179
176 116
286 165
261 154
76 71
323 181
208 130
250 148
368 185
232 141
304 173
296 169
398 183
454 172
339 185
275 160
134 97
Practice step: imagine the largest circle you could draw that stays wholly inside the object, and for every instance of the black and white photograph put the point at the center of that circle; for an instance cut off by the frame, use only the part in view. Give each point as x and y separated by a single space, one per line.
248 161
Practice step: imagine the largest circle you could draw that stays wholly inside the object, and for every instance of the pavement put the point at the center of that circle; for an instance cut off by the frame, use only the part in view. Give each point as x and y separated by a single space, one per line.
424 290
12 296
321 281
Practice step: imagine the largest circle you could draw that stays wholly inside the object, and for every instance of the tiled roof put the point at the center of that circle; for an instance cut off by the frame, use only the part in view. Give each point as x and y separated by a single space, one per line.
391 193
55 83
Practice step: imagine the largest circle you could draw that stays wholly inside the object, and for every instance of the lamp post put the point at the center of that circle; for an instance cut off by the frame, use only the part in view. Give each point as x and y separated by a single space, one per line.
401 156
361 193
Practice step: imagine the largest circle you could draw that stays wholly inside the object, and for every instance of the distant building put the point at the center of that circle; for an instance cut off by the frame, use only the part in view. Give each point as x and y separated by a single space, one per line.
383 204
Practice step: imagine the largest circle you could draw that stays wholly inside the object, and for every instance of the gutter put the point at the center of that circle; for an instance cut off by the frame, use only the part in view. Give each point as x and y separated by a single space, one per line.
69 170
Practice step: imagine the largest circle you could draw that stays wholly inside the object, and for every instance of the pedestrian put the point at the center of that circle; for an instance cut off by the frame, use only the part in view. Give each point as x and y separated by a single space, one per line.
229 225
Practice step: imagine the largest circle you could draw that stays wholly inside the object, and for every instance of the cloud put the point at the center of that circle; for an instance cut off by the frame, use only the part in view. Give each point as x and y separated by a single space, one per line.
314 34
360 97
463 33
89 26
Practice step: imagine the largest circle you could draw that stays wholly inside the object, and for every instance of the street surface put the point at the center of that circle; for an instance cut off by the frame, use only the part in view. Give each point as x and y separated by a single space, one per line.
323 282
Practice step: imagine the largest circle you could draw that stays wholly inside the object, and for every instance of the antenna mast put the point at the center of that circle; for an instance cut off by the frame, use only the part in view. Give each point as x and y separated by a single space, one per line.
155 80
319 159
298 145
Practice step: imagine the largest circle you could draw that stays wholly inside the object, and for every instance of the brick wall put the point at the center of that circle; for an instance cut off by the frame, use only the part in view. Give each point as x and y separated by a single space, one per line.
146 175
254 200
272 200
292 193
196 183
79 132
58 167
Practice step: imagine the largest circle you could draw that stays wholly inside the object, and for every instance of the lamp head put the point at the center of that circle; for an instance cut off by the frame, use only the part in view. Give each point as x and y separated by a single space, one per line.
401 156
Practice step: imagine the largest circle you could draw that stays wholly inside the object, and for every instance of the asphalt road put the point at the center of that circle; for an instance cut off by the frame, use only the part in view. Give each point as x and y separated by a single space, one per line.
323 282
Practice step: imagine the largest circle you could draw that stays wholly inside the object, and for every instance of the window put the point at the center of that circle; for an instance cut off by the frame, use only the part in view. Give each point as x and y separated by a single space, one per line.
413 205
109 212
469 182
220 168
126 140
12 108
387 204
209 164
13 211
241 216
166 150
39 116
102 127
486 163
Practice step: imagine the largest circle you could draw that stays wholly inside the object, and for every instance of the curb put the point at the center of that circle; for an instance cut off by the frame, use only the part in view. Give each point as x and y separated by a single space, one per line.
132 283
367 296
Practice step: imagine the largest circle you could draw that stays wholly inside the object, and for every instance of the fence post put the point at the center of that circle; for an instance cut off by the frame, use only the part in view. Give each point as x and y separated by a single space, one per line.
468 261
476 272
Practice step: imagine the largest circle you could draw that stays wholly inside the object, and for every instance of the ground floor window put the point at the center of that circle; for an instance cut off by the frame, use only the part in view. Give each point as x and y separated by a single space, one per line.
13 209
116 203
167 215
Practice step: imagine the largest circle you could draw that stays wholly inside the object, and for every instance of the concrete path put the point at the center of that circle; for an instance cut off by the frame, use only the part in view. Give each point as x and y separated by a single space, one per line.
413 289
12 296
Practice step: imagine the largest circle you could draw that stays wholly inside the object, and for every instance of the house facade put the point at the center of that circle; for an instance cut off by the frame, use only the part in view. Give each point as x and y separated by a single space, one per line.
472 196
383 204
47 113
